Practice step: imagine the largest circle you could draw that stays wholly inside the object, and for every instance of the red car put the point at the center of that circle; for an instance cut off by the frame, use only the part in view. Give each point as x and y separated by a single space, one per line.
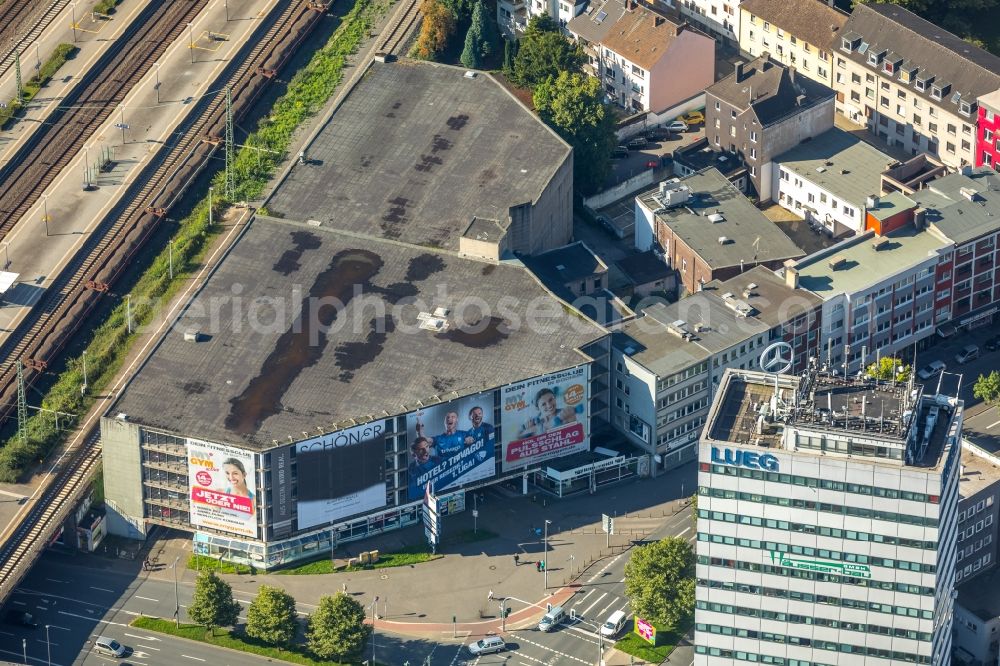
652 164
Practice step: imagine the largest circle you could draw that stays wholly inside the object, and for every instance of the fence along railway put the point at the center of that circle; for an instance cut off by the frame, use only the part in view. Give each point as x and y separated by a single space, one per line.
74 294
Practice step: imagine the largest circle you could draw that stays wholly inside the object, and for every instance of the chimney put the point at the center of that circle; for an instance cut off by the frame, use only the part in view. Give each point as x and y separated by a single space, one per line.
657 21
792 274
791 75
739 71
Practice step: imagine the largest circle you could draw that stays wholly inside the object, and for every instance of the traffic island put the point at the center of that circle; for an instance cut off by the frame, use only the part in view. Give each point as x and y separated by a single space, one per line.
665 639
232 639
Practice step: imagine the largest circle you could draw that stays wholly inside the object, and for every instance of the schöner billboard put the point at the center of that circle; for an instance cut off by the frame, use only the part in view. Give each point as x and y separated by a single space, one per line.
223 485
451 444
545 418
340 474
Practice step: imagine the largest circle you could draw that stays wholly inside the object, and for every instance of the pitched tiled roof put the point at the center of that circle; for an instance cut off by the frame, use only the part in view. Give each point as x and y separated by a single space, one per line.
970 70
769 88
642 37
812 21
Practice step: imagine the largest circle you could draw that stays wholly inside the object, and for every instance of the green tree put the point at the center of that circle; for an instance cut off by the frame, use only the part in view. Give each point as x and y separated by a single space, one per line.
271 617
213 604
480 40
694 510
572 105
659 582
540 23
987 388
509 51
889 368
542 55
337 629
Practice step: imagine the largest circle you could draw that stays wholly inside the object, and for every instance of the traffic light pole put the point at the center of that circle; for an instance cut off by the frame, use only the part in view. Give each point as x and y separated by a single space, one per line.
503 614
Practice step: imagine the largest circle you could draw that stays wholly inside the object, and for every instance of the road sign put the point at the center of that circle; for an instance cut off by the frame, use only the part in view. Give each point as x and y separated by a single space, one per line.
607 523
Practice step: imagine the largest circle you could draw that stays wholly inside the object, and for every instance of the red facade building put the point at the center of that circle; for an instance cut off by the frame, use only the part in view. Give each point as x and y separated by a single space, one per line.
988 131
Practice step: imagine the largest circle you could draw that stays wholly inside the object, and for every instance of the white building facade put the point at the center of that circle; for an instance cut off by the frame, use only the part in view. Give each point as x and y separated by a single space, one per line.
801 195
821 545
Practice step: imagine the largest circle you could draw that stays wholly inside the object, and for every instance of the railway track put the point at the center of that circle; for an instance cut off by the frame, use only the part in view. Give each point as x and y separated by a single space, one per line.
66 304
21 23
58 140
400 30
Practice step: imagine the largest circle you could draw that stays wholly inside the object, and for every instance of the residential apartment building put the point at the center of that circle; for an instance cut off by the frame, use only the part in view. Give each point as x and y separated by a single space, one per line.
826 522
719 18
977 622
963 209
912 83
668 362
878 293
978 513
988 131
707 230
513 15
797 33
828 179
646 61
763 109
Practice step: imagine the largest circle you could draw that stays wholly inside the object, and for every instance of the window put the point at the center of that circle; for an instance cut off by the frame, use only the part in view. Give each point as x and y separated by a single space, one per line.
717 106
951 129
869 93
855 78
753 153
936 92
855 96
916 120
920 85
753 136
932 127
883 101
767 27
950 147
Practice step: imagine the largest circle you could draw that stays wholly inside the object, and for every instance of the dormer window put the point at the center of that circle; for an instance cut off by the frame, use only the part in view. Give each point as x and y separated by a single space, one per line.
965 108
940 90
889 68
875 57
923 82
846 44
906 74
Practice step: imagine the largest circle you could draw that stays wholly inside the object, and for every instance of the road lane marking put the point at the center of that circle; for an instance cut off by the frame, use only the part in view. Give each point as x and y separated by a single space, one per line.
187 656
686 530
995 423
607 608
143 638
87 617
56 626
102 589
584 597
596 601
19 603
53 580
545 647
147 647
147 598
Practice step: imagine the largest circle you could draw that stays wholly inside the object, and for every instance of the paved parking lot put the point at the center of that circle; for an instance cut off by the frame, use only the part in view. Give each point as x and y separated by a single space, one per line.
637 160
945 351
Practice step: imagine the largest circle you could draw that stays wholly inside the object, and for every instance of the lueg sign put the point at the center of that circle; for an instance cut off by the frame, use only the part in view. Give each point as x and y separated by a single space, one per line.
749 459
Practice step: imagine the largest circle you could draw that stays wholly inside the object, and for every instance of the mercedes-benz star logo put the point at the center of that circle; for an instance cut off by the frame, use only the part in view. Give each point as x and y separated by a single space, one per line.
777 358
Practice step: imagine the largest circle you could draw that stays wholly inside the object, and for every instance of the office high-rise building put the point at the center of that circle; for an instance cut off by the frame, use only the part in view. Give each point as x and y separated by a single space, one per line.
826 522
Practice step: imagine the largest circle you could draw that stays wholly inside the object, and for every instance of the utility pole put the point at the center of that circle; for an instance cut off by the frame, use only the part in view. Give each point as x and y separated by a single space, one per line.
503 614
191 38
177 603
374 615
73 9
210 189
128 312
230 176
170 258
22 405
83 389
48 645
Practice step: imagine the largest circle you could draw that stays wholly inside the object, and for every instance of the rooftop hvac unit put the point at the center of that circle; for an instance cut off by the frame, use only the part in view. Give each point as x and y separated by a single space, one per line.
724 240
880 244
673 196
969 193
715 218
192 335
838 262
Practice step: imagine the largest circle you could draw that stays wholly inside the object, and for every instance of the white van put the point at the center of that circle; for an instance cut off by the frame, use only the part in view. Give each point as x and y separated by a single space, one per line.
109 646
555 616
488 645
613 624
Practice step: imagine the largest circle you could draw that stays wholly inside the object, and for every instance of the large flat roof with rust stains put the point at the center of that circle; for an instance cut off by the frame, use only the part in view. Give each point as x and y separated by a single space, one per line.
276 359
415 151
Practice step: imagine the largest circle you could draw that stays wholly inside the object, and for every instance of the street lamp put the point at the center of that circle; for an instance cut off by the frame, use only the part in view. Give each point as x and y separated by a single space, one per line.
48 645
545 551
45 212
177 603
374 615
128 312
6 254
24 646
157 85
170 258
191 38
73 25
83 389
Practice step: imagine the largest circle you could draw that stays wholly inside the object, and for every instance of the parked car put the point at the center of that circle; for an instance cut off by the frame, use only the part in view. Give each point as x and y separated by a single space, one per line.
637 143
993 343
676 126
620 152
693 118
21 619
968 353
931 369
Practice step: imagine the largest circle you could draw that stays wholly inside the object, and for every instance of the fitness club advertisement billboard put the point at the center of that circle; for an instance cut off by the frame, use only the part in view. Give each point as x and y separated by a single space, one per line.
223 484
451 444
340 474
545 418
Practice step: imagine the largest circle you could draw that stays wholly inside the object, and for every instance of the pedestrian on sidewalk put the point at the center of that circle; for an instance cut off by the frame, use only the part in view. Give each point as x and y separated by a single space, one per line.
517 560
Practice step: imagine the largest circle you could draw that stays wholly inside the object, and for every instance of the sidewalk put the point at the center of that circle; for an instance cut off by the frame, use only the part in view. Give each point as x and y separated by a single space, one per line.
421 600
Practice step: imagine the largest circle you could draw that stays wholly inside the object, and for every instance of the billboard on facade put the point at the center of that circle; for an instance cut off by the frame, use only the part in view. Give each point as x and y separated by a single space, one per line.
281 491
451 444
223 485
545 417
340 474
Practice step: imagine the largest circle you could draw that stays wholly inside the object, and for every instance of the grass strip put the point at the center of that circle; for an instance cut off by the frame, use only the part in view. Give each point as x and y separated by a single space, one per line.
106 6
32 86
666 640
110 341
233 640
405 557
